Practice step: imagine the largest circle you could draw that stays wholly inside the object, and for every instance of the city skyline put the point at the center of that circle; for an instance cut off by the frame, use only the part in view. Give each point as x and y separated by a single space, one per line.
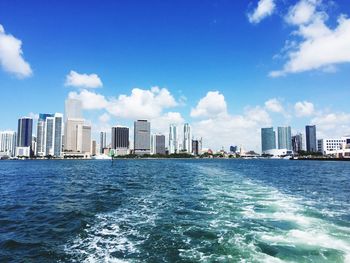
226 95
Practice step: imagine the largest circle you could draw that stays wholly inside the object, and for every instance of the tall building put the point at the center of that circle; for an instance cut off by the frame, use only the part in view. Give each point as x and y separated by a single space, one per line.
187 142
93 148
24 132
142 137
73 109
40 134
284 138
268 139
103 141
8 143
83 134
311 145
71 134
120 140
297 143
57 137
158 144
173 139
197 147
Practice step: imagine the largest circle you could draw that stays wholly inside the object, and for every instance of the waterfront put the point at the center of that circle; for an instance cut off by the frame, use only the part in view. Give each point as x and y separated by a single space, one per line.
174 211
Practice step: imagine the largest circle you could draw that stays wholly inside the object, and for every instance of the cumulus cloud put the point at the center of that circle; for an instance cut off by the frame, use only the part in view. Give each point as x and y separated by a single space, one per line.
320 47
274 105
142 103
265 8
105 117
304 109
223 129
90 100
213 104
76 79
332 125
11 55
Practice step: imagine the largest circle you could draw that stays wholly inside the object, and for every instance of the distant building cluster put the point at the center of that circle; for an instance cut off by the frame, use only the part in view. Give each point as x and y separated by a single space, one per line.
288 145
69 136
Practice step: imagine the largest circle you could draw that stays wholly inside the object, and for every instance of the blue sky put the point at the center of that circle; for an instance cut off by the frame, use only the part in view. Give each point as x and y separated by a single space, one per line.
187 48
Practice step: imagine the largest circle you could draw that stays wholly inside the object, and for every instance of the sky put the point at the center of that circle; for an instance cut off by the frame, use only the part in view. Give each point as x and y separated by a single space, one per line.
226 67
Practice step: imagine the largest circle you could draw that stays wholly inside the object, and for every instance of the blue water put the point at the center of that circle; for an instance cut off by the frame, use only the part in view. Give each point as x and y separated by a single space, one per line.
174 211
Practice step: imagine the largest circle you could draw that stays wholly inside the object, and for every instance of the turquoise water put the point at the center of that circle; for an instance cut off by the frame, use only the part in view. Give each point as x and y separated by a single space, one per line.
175 211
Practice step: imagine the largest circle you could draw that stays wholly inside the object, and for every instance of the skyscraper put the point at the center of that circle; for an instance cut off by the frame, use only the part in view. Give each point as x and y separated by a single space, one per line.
284 138
173 143
73 109
268 139
142 137
58 127
120 140
24 132
158 144
297 143
197 147
83 133
311 144
187 142
40 134
8 143
103 141
71 134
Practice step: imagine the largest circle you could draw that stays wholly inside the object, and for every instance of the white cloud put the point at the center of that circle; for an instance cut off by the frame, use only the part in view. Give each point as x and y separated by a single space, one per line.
90 100
105 117
301 13
265 8
274 105
11 55
304 109
141 103
320 47
222 129
332 125
83 80
213 104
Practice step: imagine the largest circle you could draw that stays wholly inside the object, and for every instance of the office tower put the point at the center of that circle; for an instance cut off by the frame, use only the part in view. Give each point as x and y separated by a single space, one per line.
73 109
268 139
310 131
284 138
40 134
71 134
195 147
8 143
103 141
120 140
142 136
93 148
187 142
83 133
173 143
158 144
57 136
24 132
297 143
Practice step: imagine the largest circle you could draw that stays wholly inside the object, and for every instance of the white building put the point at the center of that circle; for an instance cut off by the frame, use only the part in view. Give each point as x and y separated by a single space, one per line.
49 135
187 142
8 143
73 109
23 151
173 139
84 139
279 153
71 134
332 146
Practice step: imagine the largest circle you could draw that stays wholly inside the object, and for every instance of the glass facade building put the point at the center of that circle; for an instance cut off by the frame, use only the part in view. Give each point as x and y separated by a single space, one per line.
268 139
311 144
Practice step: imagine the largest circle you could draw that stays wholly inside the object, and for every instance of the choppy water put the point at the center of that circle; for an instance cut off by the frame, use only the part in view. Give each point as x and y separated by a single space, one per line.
174 211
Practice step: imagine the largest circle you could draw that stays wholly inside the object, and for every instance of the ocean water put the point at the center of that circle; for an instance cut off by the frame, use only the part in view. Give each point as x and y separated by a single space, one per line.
174 211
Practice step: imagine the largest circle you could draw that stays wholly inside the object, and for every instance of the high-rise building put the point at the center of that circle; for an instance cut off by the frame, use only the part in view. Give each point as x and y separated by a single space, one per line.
71 134
84 139
24 132
268 139
233 149
158 144
73 109
142 137
311 145
8 143
93 148
40 134
57 137
103 141
120 140
197 147
284 138
187 142
297 143
173 139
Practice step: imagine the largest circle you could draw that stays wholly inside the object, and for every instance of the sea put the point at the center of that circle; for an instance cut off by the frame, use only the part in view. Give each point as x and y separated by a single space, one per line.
162 210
